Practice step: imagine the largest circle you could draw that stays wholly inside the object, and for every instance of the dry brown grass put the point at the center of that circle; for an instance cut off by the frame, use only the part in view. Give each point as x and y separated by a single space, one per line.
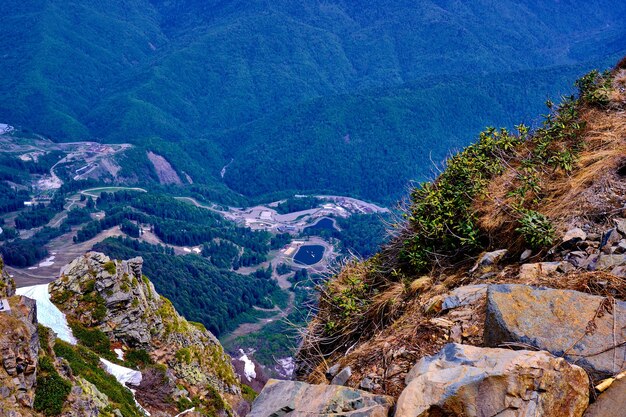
595 187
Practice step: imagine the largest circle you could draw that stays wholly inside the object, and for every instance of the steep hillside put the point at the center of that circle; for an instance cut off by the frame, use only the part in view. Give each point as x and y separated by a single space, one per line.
185 79
121 334
519 243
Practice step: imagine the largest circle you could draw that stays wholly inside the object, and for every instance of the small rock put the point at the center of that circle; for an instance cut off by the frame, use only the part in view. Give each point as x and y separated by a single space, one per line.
621 246
619 271
333 370
489 258
367 384
532 271
525 255
574 236
566 267
577 258
593 236
342 377
609 239
620 225
605 262
463 380
463 296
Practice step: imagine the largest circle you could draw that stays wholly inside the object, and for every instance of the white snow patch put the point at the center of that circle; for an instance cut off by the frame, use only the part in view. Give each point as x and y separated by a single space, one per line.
122 374
197 250
119 353
287 366
185 412
187 250
47 313
47 262
248 368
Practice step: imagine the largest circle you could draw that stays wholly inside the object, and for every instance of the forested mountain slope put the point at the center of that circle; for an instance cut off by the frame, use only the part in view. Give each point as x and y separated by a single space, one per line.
180 77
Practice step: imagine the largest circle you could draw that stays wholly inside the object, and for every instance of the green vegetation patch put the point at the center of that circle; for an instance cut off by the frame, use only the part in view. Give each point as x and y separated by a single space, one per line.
86 364
94 339
51 390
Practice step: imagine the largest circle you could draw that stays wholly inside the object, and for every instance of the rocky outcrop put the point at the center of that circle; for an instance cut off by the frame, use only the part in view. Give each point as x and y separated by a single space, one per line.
298 399
114 297
466 380
580 327
19 348
7 284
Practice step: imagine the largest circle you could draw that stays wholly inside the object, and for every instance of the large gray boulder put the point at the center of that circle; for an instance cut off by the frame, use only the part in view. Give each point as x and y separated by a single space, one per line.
464 380
580 327
298 399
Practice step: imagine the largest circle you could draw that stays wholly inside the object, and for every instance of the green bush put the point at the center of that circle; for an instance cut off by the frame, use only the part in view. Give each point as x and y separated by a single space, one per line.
138 358
110 267
594 88
183 355
536 229
51 390
441 219
248 393
94 339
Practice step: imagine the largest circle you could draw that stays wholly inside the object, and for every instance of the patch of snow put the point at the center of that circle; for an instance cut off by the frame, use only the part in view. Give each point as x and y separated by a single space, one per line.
47 262
186 411
47 313
33 267
248 368
197 250
187 250
287 366
122 374
119 353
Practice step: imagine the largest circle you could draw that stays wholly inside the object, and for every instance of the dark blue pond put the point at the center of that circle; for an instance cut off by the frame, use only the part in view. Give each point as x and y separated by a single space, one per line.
309 254
323 224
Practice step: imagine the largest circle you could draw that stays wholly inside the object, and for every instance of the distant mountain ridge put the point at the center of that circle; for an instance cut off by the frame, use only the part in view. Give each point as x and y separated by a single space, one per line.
179 77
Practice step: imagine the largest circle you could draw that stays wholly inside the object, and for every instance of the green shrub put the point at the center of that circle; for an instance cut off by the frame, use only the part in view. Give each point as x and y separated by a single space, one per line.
248 393
138 358
440 218
536 229
594 88
44 334
94 339
183 355
110 267
89 286
51 390
100 310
